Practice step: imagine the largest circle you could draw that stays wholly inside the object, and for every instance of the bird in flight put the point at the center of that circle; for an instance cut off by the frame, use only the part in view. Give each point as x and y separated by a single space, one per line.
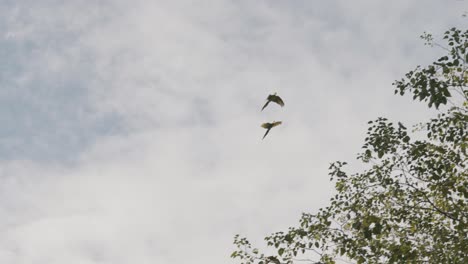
273 98
269 126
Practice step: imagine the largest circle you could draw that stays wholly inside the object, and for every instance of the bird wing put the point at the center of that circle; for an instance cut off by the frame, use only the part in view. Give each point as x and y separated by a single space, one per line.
265 105
266 133
278 100
276 123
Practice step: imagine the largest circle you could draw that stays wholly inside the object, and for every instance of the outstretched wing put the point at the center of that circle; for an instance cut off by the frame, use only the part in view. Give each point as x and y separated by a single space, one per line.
265 105
276 124
278 100
266 133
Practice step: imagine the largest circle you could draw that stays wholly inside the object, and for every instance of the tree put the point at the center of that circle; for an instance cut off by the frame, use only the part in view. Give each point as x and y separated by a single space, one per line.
410 203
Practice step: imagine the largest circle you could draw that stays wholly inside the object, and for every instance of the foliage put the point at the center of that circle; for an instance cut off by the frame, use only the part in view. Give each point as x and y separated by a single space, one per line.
410 204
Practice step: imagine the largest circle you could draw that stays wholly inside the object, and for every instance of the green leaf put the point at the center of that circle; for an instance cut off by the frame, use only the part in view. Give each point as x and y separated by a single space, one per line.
342 251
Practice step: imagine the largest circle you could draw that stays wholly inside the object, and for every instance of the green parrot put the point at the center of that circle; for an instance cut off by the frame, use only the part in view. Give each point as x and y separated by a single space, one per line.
273 98
269 126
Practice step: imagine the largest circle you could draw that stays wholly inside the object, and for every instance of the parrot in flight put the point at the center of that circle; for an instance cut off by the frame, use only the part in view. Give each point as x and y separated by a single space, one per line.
273 98
269 126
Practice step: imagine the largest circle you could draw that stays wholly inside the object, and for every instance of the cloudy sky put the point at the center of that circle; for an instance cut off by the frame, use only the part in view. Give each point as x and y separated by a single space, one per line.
130 130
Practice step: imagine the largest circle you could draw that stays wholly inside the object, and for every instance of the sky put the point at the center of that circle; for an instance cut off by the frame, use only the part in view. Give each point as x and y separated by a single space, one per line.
130 130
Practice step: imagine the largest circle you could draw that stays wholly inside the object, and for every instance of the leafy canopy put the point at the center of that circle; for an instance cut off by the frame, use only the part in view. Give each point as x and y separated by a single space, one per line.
410 204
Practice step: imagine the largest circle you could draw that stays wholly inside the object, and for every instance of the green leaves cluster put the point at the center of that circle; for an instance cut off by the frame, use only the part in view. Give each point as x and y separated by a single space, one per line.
436 82
410 204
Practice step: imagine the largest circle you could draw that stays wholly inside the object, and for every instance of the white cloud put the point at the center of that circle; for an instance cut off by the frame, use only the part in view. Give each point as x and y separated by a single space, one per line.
150 115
